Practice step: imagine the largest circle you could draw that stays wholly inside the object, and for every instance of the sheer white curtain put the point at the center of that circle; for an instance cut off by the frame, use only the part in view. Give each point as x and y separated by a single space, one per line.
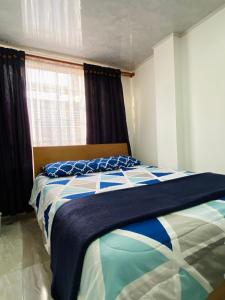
56 103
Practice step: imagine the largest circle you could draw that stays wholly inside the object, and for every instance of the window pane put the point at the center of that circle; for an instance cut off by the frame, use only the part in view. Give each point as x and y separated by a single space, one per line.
56 104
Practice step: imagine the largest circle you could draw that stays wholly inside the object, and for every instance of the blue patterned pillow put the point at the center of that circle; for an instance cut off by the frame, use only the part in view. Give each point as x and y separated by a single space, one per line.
80 167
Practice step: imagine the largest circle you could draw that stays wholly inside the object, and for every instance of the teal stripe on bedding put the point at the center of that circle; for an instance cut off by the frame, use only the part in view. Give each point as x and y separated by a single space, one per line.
123 250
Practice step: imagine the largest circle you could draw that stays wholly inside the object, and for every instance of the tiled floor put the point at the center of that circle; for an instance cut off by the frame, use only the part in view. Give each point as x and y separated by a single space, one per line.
24 263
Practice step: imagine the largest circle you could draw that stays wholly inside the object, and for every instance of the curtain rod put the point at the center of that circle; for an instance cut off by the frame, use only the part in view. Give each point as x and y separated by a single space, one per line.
78 65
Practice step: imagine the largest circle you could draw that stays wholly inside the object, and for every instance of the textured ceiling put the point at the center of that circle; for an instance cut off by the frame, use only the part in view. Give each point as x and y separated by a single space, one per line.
114 32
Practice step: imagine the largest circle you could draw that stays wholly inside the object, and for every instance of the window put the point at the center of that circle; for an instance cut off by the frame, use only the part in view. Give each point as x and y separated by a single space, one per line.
56 103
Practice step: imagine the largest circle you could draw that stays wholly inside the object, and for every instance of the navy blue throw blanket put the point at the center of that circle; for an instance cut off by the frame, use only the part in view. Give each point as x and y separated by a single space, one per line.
79 222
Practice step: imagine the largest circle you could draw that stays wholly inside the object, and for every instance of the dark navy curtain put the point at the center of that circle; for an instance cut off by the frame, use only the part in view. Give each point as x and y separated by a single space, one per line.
15 144
105 110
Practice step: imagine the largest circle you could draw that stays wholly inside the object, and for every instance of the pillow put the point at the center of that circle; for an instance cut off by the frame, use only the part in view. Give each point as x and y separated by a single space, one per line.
80 167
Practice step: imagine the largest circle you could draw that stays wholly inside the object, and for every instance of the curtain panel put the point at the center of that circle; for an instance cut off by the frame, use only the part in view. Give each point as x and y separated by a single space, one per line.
105 110
15 144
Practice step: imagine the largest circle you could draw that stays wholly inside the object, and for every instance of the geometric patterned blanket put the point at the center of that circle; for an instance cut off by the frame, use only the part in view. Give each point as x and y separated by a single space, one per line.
177 256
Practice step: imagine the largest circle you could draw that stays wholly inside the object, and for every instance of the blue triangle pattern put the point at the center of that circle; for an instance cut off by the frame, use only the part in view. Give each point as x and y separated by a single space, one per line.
64 182
160 174
128 169
153 229
46 217
149 182
84 175
77 196
115 174
104 184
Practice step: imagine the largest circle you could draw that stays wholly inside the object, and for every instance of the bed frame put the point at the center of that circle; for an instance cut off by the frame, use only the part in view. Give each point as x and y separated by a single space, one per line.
45 155
218 294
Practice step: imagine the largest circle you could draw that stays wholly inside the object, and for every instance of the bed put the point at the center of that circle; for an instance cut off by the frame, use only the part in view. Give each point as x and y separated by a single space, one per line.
174 256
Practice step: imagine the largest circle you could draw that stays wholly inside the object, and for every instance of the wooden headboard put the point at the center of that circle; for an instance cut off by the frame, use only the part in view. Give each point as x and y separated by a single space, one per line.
45 155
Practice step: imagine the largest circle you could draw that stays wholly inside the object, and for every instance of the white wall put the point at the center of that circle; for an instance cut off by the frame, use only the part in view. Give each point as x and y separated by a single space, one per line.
144 114
165 96
199 115
203 68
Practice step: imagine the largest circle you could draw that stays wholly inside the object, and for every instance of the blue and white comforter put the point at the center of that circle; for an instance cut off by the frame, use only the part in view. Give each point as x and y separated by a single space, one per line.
177 256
